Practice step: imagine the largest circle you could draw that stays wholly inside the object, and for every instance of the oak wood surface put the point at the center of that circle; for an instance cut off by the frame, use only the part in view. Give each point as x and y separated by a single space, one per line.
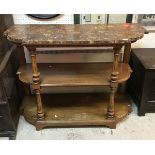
81 109
114 83
75 74
127 50
71 75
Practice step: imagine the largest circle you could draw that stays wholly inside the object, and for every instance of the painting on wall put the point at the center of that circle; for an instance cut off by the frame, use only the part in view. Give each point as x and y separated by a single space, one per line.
147 20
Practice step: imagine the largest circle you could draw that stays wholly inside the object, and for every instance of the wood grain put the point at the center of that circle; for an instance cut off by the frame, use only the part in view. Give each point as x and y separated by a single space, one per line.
75 74
76 110
83 38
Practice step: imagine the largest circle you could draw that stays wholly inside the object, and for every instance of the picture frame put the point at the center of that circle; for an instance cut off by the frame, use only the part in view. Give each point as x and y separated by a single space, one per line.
146 20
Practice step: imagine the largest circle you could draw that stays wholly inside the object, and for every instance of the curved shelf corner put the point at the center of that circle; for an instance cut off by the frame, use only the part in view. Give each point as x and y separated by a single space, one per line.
74 74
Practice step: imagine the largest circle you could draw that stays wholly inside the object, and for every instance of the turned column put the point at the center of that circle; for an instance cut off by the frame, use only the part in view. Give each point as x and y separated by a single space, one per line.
114 83
22 62
126 59
36 83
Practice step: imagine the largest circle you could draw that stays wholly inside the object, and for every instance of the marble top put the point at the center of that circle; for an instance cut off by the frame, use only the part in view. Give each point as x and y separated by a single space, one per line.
68 34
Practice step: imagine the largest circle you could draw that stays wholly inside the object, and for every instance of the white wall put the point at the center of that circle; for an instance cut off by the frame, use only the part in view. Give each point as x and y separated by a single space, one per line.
148 41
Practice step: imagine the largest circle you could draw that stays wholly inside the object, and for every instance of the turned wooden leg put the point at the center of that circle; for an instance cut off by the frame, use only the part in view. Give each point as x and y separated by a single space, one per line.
36 86
113 86
39 105
114 83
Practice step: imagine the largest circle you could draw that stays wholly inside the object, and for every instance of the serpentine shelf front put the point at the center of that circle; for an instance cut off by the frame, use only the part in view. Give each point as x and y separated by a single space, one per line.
75 74
74 109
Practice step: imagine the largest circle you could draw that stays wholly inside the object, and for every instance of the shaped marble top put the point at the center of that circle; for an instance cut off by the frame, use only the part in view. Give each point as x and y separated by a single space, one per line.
68 34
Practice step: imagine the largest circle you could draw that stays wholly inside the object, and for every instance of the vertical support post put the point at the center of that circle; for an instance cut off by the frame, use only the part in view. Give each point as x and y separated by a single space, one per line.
126 58
114 83
22 61
127 50
36 83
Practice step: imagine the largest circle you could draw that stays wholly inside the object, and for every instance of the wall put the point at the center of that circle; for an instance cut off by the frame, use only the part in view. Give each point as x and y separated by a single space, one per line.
148 41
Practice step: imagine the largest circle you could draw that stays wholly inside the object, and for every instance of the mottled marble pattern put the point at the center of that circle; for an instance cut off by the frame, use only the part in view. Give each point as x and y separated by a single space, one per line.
97 34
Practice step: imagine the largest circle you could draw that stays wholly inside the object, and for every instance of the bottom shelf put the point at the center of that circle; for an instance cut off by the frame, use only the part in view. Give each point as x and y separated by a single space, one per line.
62 110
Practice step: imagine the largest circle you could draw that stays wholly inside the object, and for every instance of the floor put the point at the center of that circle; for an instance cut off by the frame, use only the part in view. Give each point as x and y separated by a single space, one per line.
133 127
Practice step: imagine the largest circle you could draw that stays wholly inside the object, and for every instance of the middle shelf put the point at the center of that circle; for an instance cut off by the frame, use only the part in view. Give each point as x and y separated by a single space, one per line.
74 74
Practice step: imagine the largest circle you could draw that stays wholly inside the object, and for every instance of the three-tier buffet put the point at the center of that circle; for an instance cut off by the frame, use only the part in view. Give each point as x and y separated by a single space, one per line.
71 107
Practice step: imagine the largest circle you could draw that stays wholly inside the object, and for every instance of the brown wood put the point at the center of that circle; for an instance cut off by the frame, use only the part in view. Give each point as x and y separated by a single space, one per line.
141 85
70 75
74 74
5 59
36 83
127 50
65 110
114 82
64 50
126 58
6 20
9 95
22 61
21 55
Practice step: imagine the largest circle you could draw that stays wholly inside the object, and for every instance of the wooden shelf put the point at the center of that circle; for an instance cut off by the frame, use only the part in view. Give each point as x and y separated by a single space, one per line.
74 74
83 109
73 109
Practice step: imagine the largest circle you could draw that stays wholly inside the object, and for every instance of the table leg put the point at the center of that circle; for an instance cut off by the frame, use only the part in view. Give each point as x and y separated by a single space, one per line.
114 83
126 59
22 61
127 50
36 86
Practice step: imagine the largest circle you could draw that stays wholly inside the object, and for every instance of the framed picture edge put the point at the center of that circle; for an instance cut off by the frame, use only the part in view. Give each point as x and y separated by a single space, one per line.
137 19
